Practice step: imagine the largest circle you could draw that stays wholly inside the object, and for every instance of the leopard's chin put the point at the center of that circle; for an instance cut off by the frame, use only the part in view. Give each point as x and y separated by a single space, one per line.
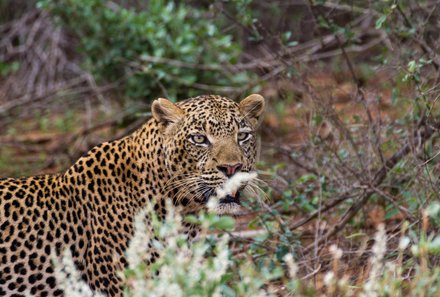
230 205
231 209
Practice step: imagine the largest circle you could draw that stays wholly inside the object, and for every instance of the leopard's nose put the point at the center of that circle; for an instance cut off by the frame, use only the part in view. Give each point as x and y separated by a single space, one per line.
230 170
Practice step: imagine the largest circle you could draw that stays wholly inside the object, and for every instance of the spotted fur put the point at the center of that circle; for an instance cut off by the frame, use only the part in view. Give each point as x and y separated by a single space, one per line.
89 209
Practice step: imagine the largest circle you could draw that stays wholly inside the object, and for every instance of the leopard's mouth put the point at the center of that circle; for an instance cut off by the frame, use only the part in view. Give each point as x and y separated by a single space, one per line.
230 204
225 199
231 198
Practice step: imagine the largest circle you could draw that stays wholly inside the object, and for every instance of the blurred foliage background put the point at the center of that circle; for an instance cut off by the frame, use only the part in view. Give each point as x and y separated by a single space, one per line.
350 140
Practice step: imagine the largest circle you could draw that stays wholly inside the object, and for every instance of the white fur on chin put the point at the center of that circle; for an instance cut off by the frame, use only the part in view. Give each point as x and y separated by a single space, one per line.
233 209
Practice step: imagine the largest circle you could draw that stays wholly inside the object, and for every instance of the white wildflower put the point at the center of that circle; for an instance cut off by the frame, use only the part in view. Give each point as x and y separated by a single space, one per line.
291 265
371 287
69 279
221 261
404 242
329 278
335 251
379 249
139 242
390 267
182 269
343 282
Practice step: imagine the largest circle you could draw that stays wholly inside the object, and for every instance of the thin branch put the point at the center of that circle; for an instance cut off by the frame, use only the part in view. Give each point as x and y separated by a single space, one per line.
421 135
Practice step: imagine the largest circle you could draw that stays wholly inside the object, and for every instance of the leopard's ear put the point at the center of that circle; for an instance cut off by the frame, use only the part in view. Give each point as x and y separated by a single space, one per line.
252 106
166 112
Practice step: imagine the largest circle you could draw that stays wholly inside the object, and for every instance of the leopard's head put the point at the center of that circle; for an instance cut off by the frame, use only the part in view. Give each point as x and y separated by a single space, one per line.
207 141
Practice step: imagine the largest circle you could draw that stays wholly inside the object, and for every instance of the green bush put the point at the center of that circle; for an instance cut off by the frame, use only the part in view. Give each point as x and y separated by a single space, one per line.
160 51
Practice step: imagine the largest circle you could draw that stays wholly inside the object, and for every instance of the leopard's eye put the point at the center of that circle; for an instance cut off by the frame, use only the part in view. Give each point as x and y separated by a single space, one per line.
199 139
243 136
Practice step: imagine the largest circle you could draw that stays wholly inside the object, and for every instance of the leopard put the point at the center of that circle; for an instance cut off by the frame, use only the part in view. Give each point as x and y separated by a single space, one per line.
181 155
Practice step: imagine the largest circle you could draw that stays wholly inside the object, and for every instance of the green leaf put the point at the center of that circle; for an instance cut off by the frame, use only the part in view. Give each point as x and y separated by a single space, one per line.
391 213
281 251
380 21
412 66
224 223
192 219
306 178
